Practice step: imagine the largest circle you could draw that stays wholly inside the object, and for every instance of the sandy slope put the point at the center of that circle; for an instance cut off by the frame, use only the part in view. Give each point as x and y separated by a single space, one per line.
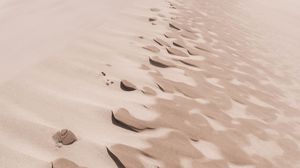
52 54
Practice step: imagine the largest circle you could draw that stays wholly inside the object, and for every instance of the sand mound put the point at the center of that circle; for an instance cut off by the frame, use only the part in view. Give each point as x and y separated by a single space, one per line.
65 136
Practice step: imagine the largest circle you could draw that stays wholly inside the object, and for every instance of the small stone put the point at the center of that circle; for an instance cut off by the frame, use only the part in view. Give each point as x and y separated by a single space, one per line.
152 19
65 136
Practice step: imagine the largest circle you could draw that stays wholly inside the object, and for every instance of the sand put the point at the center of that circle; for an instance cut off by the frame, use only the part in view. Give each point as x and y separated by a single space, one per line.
136 83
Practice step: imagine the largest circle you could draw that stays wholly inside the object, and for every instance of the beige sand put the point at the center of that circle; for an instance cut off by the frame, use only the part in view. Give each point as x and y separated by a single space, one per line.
185 83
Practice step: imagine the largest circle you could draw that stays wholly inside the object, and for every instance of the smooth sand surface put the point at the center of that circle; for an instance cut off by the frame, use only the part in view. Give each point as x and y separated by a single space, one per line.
139 83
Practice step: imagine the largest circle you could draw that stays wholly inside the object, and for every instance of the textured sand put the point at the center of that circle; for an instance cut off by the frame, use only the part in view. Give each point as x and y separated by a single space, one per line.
136 83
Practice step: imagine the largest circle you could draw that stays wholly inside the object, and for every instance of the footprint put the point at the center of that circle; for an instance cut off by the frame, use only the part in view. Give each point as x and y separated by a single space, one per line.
124 119
189 35
108 81
144 67
148 91
174 26
64 163
161 42
152 19
171 34
179 43
127 86
161 15
155 61
174 51
151 48
154 9
203 48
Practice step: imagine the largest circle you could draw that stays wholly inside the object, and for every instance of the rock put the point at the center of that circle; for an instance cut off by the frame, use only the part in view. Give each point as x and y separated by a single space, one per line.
127 86
65 136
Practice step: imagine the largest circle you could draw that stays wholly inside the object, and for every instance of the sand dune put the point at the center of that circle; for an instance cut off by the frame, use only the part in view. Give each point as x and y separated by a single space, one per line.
181 83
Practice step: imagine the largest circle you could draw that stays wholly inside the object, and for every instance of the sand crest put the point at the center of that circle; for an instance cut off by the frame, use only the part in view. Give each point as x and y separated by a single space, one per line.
149 84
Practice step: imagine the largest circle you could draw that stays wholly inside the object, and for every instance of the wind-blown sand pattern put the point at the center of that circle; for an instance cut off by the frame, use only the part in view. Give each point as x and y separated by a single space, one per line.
154 84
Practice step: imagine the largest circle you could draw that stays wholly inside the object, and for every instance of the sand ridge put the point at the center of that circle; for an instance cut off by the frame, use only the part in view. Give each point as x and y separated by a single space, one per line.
183 83
213 123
